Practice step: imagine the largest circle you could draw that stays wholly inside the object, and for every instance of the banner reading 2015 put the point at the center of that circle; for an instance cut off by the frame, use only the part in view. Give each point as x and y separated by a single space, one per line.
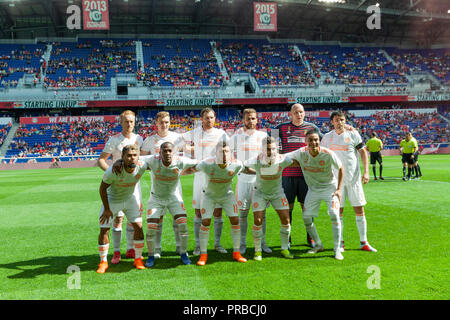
95 15
264 16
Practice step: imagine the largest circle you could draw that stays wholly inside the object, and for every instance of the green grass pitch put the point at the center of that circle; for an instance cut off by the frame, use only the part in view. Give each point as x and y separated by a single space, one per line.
50 223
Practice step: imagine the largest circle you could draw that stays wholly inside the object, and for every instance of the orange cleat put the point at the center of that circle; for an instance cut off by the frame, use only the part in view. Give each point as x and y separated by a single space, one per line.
203 258
102 267
139 264
237 257
116 257
130 254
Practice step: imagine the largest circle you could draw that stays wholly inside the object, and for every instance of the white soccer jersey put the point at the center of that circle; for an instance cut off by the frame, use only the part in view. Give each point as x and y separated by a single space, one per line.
205 142
166 179
344 146
115 144
154 141
218 180
318 170
268 177
123 185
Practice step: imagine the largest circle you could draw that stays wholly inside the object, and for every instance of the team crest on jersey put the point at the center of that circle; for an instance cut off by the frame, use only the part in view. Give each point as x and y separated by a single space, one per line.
240 203
175 171
230 172
138 176
203 211
255 205
347 140
322 162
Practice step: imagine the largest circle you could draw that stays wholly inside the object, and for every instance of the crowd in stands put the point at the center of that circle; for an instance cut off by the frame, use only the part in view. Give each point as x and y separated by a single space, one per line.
4 129
15 62
89 63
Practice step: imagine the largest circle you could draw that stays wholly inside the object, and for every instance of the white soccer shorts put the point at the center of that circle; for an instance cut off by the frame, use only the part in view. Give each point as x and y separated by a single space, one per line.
313 200
157 207
262 201
138 194
355 194
244 192
131 208
197 191
228 203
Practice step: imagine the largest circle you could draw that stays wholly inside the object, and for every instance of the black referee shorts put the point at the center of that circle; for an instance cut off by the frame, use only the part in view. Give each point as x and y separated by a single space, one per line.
406 157
416 156
295 187
376 156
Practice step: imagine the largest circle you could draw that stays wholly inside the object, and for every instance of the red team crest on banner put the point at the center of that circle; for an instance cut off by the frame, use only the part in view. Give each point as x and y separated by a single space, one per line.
264 16
95 15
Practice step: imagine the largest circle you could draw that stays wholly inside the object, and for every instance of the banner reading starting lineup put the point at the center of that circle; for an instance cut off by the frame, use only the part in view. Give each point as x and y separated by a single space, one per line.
95 15
264 16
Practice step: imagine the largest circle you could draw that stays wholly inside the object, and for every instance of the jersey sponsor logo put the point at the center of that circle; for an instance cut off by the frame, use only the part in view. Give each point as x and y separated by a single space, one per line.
217 180
294 139
126 185
338 147
275 177
313 169
163 178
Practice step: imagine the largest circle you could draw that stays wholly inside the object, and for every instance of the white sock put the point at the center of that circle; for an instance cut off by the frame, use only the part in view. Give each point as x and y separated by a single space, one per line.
177 235
197 225
158 236
257 234
130 236
183 234
236 236
361 223
312 231
342 227
151 233
218 226
285 231
243 222
336 226
103 251
204 238
138 248
116 238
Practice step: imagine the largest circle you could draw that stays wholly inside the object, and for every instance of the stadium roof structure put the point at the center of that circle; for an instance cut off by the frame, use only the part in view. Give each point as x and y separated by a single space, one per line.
420 22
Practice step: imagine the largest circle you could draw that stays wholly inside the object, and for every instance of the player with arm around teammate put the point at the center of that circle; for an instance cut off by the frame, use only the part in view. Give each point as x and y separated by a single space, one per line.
317 164
113 148
267 190
347 145
117 195
218 192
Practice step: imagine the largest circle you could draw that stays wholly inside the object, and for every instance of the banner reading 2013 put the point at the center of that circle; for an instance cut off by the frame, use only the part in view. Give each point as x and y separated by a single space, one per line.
95 15
264 16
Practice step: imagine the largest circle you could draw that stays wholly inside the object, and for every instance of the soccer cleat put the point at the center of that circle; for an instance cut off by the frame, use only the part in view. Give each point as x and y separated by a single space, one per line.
367 247
196 251
404 178
381 178
375 179
237 257
342 247
242 248
157 253
287 254
258 256
185 259
265 248
177 250
130 254
220 249
317 248
150 262
139 264
102 267
202 260
116 257
338 255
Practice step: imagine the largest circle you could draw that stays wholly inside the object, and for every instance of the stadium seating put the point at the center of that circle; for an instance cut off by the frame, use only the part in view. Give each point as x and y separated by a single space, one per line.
179 63
90 62
4 129
17 60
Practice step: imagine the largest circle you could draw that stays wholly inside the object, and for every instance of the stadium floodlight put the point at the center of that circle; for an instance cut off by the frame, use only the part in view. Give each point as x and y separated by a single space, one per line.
332 1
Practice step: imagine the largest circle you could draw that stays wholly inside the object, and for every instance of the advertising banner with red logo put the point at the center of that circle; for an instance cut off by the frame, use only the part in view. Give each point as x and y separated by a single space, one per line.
95 15
67 119
265 16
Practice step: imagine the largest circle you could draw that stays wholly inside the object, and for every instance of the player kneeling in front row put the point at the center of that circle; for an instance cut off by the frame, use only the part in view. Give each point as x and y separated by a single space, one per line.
317 164
116 193
268 167
217 191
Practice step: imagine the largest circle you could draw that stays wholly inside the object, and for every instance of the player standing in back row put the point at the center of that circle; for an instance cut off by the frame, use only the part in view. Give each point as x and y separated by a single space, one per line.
113 148
346 145
292 137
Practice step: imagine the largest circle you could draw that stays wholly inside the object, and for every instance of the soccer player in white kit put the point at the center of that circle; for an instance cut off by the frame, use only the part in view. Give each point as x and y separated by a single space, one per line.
317 164
113 147
205 139
217 191
165 194
117 195
347 144
151 146
246 144
268 190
